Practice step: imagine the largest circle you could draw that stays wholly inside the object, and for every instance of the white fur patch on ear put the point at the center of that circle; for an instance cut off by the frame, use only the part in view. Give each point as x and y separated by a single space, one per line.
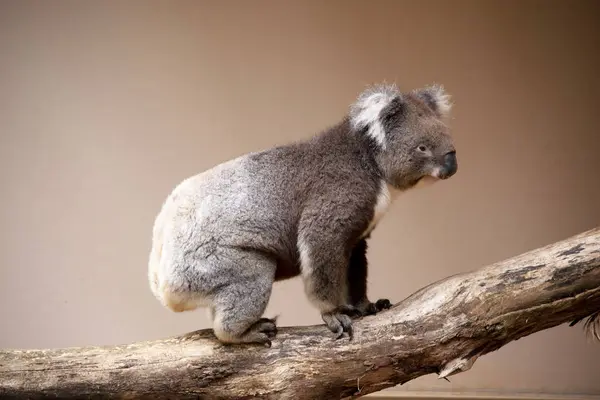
366 111
441 99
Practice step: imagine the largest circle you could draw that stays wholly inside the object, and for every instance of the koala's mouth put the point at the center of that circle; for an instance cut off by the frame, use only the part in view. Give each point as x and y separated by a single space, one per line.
436 174
442 173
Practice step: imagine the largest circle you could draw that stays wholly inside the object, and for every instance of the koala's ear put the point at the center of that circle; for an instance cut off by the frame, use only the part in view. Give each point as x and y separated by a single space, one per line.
393 113
374 106
436 98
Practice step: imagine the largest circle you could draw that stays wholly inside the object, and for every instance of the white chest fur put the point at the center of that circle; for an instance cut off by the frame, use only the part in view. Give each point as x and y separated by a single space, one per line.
386 196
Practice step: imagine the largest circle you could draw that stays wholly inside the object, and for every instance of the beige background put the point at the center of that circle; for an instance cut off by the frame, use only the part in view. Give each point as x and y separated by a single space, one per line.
105 106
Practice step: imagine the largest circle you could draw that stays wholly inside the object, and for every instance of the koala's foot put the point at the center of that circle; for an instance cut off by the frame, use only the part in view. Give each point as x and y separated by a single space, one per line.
340 320
237 310
368 308
262 331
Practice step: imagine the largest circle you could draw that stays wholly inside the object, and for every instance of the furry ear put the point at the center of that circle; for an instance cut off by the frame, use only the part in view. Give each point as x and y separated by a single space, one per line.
366 112
436 98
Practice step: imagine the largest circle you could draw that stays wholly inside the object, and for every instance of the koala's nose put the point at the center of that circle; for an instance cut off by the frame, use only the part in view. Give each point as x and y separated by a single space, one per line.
450 164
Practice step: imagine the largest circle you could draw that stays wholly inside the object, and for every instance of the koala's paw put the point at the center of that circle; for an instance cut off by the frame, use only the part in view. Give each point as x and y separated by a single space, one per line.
262 331
340 320
368 308
267 326
383 304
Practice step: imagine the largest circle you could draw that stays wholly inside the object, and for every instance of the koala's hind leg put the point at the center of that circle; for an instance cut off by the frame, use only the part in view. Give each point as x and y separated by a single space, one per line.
238 306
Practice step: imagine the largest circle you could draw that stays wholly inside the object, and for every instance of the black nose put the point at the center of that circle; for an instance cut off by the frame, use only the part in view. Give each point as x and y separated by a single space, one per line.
450 164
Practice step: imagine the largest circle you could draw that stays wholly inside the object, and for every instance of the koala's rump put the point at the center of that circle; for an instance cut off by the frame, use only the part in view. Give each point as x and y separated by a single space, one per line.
219 218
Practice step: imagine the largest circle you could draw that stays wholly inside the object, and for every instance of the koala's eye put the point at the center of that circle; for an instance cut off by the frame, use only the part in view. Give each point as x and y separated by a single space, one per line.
422 148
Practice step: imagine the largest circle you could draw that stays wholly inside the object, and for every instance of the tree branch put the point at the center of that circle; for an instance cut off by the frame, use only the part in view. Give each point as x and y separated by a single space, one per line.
443 329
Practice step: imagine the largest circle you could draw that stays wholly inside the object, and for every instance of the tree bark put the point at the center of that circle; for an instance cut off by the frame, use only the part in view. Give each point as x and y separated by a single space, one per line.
442 329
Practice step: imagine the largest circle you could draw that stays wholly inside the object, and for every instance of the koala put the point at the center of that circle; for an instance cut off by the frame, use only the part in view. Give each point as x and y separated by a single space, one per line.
307 208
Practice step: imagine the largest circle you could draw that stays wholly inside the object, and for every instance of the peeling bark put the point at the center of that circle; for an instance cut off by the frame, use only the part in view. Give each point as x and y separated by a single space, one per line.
442 329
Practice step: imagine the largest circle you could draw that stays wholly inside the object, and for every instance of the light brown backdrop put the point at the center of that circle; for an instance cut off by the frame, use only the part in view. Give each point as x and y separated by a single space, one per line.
105 106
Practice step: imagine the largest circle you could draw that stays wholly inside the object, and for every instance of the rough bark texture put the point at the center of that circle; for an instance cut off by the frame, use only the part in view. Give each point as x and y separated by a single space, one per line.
442 329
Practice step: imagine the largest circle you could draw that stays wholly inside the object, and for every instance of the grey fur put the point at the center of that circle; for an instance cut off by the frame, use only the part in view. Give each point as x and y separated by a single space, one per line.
225 235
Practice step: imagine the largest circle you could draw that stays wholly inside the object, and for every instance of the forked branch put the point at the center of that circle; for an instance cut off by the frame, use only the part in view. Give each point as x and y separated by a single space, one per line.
442 329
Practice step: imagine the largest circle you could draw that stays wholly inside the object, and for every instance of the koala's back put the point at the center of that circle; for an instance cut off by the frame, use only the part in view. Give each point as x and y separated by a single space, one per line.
253 203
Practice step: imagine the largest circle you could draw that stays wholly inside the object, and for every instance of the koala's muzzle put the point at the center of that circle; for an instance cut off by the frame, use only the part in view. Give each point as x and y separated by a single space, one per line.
450 165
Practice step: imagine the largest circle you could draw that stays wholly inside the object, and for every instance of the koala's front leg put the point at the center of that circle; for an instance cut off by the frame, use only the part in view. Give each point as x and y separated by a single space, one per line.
324 272
357 282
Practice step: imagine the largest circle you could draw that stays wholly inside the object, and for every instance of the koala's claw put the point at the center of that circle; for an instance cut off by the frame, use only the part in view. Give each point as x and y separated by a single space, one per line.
341 330
339 321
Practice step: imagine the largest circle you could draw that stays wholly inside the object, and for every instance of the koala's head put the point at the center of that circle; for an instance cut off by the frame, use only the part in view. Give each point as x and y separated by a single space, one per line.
412 140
